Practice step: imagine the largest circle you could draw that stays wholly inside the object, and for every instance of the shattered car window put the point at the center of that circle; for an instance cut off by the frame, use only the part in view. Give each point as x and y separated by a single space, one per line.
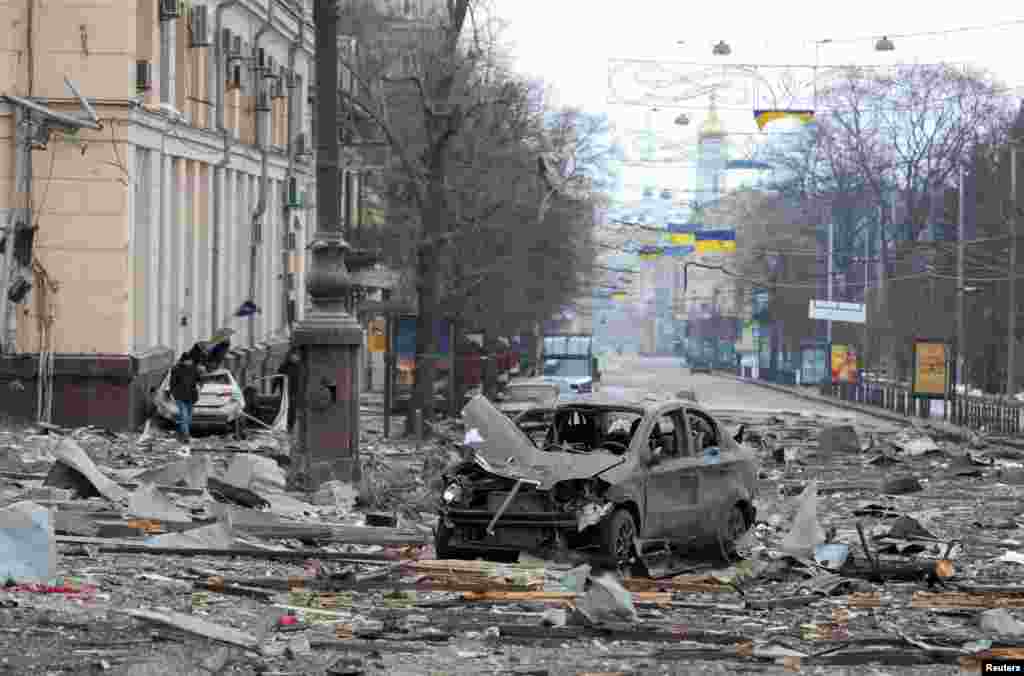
582 430
216 379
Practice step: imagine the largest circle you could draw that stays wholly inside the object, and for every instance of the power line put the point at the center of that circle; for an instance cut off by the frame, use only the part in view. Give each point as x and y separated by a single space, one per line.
948 31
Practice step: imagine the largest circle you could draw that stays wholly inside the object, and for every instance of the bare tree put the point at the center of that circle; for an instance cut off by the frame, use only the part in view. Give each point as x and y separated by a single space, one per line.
468 143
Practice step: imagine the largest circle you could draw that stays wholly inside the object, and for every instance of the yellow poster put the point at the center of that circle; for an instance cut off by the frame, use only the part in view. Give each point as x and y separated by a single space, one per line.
377 339
929 369
844 364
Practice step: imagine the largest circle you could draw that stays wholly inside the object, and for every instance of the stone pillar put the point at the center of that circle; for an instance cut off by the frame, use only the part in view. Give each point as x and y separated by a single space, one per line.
330 339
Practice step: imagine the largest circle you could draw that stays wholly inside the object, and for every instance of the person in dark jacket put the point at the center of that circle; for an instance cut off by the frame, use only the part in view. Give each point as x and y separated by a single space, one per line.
185 390
218 348
290 367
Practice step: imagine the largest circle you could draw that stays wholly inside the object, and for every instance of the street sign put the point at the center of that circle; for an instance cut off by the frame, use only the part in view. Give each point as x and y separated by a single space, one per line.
837 312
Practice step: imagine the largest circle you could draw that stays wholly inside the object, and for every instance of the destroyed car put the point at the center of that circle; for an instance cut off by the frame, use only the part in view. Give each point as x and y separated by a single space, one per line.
220 407
521 396
614 477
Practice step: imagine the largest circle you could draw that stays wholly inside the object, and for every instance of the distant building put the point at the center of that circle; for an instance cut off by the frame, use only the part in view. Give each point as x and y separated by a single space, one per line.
712 159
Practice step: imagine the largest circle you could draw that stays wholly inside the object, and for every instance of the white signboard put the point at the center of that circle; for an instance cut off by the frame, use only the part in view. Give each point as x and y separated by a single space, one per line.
829 310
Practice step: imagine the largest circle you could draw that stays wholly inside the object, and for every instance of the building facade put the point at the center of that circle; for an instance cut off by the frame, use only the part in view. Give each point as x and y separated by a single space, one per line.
193 197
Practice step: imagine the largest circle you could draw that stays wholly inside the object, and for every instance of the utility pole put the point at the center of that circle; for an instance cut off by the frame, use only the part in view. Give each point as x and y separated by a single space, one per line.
961 327
828 281
1011 331
867 282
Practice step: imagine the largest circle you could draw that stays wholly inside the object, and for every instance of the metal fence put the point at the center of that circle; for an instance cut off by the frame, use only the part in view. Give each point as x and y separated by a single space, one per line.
976 412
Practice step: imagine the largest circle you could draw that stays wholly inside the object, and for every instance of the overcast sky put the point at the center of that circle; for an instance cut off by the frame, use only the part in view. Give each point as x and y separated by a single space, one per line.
568 43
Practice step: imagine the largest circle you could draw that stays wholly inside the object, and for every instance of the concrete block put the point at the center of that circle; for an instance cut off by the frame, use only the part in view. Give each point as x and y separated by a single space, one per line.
838 439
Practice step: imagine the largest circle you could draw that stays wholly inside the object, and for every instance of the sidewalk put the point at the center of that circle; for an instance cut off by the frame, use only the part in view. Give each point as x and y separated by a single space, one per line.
803 393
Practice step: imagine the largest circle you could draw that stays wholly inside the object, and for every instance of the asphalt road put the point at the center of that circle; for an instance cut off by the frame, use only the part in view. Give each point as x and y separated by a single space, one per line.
666 375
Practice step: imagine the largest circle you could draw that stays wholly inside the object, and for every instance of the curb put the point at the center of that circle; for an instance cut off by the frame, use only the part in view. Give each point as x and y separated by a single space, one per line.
838 403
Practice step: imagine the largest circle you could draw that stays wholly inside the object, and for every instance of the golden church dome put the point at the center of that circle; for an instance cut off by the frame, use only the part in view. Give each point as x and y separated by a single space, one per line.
712 126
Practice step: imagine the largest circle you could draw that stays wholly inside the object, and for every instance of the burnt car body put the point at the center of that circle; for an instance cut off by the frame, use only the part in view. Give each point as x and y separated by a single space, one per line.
612 476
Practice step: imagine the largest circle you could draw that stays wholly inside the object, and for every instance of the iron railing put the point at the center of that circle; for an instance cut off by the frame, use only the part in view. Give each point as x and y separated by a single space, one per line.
980 412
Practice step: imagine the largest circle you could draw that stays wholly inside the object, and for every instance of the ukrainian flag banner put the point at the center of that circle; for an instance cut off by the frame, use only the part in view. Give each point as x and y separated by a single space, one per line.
650 253
716 241
682 234
764 117
678 251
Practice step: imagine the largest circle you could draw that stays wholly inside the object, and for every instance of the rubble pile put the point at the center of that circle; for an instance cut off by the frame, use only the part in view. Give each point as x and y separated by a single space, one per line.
121 556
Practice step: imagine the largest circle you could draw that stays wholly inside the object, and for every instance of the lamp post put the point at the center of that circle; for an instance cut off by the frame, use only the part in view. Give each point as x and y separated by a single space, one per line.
329 337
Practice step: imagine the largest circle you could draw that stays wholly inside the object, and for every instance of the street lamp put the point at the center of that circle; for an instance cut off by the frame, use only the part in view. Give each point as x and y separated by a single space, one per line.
884 45
721 49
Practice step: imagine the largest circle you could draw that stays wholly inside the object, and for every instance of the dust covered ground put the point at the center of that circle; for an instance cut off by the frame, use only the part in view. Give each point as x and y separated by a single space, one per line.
309 584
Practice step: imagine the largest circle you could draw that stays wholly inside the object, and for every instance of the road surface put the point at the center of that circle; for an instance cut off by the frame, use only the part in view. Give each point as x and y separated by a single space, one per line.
716 393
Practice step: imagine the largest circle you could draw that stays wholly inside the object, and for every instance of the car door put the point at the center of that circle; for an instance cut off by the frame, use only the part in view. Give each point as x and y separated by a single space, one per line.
672 485
721 469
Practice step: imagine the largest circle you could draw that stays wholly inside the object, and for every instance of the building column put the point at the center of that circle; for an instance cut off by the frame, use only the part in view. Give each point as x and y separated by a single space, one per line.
209 246
165 253
181 227
269 270
200 231
135 327
274 272
243 235
229 264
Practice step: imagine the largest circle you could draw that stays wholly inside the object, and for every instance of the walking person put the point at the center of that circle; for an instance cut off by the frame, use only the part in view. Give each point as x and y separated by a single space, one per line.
185 390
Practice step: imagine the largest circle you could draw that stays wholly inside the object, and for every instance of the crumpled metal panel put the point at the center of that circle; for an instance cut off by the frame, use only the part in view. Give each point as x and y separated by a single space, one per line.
506 450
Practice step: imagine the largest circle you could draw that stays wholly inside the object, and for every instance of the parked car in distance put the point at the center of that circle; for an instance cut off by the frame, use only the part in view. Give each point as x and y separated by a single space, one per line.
613 476
700 365
220 406
525 394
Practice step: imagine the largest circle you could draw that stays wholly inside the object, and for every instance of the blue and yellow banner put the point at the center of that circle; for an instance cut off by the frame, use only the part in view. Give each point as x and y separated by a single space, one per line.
682 234
763 117
716 241
650 253
678 251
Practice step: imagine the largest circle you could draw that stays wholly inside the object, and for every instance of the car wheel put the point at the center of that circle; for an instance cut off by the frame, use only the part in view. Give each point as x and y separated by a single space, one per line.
442 547
618 538
501 556
735 527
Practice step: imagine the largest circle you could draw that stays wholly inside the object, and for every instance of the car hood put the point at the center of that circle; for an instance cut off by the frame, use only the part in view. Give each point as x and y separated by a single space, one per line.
506 451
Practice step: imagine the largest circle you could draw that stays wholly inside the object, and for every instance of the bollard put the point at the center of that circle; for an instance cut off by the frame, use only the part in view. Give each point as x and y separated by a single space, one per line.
417 424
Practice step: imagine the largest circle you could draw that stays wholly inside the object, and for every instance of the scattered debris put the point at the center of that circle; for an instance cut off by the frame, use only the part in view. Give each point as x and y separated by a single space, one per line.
838 439
999 622
806 533
28 549
901 486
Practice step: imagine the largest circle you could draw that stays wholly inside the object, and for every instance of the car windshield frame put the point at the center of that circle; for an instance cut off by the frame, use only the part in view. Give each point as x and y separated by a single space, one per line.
604 414
537 392
215 379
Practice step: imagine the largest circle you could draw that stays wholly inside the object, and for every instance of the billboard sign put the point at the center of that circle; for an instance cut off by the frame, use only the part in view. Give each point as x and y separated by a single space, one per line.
844 364
376 339
834 311
931 369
